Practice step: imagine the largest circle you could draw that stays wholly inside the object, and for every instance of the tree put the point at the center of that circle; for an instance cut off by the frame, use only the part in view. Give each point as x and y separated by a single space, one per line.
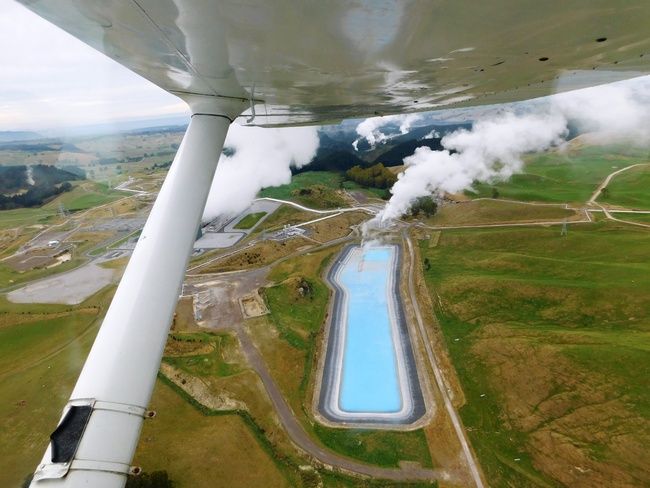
604 192
376 176
495 193
424 204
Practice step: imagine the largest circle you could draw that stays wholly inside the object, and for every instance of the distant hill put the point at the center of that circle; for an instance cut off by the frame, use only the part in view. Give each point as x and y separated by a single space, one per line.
13 136
336 152
41 146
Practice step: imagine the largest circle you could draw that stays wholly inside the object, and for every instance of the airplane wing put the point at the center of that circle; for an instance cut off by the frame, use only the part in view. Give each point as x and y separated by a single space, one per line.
281 62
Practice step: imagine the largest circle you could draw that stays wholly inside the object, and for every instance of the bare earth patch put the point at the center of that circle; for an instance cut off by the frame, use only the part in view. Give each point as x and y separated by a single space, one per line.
253 306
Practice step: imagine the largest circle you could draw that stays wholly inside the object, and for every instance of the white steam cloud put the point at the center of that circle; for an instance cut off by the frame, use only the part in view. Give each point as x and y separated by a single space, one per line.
370 129
492 150
432 134
29 176
259 158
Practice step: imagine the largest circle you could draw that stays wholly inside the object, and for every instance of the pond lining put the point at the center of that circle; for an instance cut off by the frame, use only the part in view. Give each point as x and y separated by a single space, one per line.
413 404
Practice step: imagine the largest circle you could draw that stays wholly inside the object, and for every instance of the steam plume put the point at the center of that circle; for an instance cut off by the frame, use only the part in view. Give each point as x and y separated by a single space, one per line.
492 150
29 176
370 129
258 158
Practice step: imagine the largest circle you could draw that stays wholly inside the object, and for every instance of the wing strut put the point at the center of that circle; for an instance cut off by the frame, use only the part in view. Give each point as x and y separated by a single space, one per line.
119 375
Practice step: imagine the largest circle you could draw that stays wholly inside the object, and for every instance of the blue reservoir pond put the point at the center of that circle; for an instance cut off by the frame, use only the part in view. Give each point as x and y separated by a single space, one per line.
369 380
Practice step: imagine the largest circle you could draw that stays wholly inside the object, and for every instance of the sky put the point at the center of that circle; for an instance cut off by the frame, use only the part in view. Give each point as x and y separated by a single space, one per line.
51 81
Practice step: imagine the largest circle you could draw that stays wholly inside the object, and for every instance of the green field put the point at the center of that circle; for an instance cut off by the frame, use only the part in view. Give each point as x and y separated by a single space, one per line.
641 218
557 177
630 189
314 189
478 212
26 216
85 196
42 350
550 337
371 192
249 221
75 200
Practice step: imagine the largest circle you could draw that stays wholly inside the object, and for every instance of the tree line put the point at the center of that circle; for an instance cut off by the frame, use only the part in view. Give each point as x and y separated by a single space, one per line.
377 176
36 196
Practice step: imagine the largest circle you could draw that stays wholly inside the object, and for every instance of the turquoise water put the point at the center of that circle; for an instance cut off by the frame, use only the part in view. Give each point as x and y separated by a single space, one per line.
370 381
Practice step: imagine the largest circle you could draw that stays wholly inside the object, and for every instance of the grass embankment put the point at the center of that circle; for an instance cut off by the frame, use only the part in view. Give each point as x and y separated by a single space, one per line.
285 215
298 317
550 336
558 177
42 350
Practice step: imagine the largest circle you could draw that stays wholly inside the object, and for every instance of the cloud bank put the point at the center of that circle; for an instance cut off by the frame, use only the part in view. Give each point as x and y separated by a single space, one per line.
257 158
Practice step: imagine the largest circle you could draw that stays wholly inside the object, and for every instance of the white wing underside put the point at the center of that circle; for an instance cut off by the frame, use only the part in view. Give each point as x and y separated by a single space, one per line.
311 62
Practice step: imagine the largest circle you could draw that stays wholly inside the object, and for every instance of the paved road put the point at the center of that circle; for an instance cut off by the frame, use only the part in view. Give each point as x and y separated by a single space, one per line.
304 442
